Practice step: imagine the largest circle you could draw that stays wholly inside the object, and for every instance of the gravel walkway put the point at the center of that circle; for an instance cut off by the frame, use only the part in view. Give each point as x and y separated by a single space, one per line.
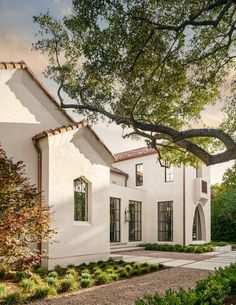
164 254
126 291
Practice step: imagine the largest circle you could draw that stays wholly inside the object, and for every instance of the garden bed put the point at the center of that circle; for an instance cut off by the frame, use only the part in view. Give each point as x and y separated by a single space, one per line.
178 248
19 287
217 289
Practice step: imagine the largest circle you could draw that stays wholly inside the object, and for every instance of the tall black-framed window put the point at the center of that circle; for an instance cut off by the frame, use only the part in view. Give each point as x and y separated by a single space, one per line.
139 174
135 222
197 229
169 174
114 219
165 221
80 200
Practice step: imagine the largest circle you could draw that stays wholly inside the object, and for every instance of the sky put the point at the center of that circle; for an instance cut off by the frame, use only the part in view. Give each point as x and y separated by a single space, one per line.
17 33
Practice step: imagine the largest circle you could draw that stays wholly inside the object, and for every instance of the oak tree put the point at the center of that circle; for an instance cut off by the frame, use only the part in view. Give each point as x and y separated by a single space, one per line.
152 66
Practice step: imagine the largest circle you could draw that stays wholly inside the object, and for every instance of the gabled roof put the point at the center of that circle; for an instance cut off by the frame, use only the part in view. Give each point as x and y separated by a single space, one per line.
24 66
134 153
118 171
66 128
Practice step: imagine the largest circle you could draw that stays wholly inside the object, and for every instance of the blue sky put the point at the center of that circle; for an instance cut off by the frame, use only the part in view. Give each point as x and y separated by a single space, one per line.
17 32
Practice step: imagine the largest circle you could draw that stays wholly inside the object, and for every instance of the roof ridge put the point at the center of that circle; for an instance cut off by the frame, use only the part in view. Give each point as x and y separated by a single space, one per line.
22 65
134 153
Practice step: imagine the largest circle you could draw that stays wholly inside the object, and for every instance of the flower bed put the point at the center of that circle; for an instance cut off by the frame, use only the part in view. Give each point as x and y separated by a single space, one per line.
215 289
19 287
178 248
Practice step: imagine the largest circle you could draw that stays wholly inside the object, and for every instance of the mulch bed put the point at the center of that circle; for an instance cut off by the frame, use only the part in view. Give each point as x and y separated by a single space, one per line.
230 300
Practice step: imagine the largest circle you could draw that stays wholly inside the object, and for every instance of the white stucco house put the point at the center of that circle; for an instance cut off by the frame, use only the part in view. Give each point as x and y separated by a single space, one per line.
101 202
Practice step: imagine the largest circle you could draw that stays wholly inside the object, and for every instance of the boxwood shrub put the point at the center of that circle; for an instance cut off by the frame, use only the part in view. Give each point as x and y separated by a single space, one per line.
178 248
212 290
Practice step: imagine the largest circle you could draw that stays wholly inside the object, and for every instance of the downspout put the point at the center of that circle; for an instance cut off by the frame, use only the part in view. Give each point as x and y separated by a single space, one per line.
126 179
184 205
36 145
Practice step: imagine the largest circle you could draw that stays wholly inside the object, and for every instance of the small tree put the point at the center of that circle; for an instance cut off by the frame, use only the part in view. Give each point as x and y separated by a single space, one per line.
223 221
23 219
229 179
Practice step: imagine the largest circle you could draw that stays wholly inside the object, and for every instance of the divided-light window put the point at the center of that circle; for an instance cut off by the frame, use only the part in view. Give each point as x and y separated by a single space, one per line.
169 174
80 200
139 174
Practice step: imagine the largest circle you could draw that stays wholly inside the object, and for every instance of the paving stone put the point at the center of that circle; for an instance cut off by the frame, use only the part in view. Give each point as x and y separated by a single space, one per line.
159 260
206 265
177 263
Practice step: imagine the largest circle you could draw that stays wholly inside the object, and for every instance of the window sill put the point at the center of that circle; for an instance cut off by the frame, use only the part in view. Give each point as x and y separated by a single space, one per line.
82 223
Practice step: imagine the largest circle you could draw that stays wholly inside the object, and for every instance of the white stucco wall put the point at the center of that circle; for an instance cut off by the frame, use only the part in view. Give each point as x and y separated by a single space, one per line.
25 111
71 156
158 190
117 179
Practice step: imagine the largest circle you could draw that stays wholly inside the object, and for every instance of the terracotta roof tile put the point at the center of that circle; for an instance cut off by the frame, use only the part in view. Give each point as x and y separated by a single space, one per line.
69 127
134 153
118 171
23 65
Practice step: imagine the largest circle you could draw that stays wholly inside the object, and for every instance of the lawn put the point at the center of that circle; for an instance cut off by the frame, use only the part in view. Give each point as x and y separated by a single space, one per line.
25 286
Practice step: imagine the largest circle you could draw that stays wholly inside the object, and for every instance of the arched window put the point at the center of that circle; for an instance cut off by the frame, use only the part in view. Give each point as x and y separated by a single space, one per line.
80 200
197 230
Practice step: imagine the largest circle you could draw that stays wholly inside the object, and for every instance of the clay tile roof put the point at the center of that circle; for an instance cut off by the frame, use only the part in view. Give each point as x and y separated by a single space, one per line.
23 65
118 171
69 127
59 130
134 153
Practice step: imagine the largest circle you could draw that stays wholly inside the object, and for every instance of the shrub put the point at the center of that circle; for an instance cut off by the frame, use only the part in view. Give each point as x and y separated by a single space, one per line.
103 278
20 275
42 271
21 211
178 248
85 275
60 270
2 291
27 285
210 291
41 291
72 271
110 270
13 298
85 282
115 276
124 273
154 268
144 270
52 281
53 274
67 284
98 272
128 268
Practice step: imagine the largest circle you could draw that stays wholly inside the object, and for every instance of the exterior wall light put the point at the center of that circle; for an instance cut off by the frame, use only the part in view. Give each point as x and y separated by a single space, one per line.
127 215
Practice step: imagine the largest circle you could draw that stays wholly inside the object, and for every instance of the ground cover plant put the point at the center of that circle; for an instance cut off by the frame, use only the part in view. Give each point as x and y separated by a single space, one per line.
179 248
215 289
24 286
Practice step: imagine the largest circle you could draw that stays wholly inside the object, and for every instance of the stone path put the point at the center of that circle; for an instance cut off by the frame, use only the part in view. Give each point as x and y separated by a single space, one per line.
206 261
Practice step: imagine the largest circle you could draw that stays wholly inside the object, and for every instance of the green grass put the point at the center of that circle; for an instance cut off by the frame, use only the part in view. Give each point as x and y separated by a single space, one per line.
40 284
